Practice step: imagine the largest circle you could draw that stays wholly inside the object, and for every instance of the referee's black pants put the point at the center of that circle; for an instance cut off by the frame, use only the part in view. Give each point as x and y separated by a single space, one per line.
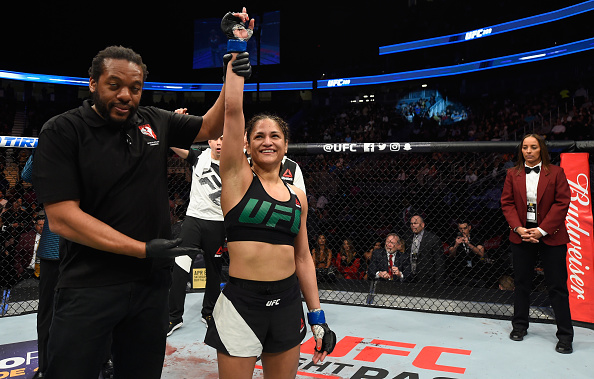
132 317
209 236
555 273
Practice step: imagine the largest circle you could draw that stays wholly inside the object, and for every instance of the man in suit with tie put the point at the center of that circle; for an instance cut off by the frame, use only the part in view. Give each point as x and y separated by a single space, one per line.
535 200
425 254
386 264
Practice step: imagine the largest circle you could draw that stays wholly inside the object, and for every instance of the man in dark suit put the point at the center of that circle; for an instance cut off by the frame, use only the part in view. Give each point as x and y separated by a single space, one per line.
425 253
387 263
24 253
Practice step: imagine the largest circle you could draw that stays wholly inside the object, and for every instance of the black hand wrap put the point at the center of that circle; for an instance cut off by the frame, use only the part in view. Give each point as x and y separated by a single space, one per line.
241 65
229 25
164 248
328 338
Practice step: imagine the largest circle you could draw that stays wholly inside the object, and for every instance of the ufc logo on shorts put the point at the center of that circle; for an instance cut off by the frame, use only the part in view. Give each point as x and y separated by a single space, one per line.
272 303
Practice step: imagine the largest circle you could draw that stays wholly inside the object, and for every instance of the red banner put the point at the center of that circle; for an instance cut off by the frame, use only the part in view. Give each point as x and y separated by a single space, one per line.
579 224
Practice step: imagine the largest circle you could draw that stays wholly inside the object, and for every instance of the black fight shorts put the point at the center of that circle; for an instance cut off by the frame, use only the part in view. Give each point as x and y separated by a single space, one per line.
251 317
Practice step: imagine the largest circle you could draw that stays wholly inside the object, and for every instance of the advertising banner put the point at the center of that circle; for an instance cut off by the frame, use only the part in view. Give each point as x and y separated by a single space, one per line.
580 253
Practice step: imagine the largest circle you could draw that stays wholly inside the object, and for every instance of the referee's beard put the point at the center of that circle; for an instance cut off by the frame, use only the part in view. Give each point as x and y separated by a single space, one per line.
104 110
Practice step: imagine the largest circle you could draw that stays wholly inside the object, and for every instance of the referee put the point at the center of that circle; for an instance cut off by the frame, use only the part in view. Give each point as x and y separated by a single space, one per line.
101 172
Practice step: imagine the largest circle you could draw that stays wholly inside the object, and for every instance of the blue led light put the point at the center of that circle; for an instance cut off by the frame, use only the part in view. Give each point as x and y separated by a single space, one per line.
490 30
295 86
552 52
156 86
556 51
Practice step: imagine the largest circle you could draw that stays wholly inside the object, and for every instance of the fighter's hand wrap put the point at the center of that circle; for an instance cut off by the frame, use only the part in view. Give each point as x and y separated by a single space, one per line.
231 25
241 65
317 320
164 248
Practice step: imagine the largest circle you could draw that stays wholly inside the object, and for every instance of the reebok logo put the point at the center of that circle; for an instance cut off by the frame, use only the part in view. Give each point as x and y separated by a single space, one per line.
221 250
272 303
288 174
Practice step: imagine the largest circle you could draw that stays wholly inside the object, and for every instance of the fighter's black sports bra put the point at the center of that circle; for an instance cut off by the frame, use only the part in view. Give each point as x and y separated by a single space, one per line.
259 217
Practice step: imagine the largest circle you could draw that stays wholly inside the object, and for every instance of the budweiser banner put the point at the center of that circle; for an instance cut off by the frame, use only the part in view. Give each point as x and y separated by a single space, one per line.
580 250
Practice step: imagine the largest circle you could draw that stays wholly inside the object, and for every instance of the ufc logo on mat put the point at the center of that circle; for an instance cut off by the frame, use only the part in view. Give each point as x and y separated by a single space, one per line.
271 303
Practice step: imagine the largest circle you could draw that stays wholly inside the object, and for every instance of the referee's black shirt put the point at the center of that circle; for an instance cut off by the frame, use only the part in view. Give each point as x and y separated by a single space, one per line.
119 174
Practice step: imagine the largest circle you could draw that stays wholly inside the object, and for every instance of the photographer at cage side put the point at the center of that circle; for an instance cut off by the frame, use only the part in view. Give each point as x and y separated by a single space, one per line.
465 255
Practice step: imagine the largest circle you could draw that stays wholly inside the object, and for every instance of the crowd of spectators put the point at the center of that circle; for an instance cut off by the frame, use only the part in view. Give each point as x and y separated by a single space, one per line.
19 216
558 114
7 109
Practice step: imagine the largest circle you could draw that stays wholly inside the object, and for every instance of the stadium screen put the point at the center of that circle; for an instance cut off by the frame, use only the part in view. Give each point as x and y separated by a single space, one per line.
210 42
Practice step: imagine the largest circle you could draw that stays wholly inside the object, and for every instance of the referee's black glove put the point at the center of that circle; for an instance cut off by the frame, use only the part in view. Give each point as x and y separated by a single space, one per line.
163 248
241 65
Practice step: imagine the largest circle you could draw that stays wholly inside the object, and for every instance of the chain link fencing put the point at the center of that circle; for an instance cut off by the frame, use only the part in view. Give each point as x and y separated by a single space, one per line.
19 273
357 195
357 200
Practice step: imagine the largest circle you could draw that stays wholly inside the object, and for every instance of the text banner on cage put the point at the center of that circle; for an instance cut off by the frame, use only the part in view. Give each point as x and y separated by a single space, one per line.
20 142
579 224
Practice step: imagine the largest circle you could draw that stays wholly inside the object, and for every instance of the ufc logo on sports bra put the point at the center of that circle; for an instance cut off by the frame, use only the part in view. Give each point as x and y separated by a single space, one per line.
271 303
280 212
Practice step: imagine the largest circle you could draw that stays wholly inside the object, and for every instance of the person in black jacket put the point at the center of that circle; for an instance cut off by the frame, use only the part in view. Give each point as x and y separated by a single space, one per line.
424 253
